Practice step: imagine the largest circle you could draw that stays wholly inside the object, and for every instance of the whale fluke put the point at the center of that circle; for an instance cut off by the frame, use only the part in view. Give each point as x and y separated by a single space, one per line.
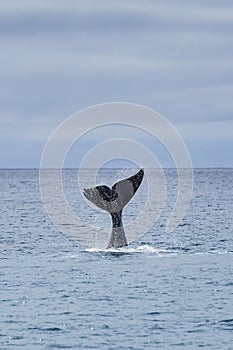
113 200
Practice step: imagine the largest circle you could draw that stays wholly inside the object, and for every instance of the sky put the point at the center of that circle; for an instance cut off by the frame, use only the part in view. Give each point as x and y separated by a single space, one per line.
60 56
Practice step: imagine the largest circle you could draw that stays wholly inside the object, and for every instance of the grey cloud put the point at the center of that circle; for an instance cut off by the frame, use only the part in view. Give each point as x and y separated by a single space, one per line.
110 17
59 56
43 22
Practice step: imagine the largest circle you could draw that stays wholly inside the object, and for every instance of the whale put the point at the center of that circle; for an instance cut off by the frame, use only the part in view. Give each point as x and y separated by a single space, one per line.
113 200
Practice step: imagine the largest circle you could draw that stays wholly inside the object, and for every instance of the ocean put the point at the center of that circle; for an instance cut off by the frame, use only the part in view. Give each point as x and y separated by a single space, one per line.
163 291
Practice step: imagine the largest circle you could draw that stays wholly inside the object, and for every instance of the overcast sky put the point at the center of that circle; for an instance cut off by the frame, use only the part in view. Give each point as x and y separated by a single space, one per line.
175 56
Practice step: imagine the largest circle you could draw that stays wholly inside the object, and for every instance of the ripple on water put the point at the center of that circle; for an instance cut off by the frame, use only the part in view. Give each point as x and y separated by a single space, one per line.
226 324
170 290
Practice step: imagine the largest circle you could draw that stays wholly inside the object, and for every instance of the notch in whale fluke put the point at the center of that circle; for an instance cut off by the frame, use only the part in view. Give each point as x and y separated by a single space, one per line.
113 200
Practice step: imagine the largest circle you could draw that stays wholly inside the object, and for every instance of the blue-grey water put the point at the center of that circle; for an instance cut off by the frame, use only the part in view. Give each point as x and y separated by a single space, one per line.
165 291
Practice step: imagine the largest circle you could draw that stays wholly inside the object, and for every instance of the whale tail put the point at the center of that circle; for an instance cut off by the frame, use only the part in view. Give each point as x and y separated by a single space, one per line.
113 200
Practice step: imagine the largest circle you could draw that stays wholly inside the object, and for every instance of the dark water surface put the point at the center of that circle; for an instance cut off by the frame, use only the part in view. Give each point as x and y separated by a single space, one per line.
165 291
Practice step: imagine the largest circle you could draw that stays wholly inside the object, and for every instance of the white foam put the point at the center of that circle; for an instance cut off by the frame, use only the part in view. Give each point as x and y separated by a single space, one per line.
140 249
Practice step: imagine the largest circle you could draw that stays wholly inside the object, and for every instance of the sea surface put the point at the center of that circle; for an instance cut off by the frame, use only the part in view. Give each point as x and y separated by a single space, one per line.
163 291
